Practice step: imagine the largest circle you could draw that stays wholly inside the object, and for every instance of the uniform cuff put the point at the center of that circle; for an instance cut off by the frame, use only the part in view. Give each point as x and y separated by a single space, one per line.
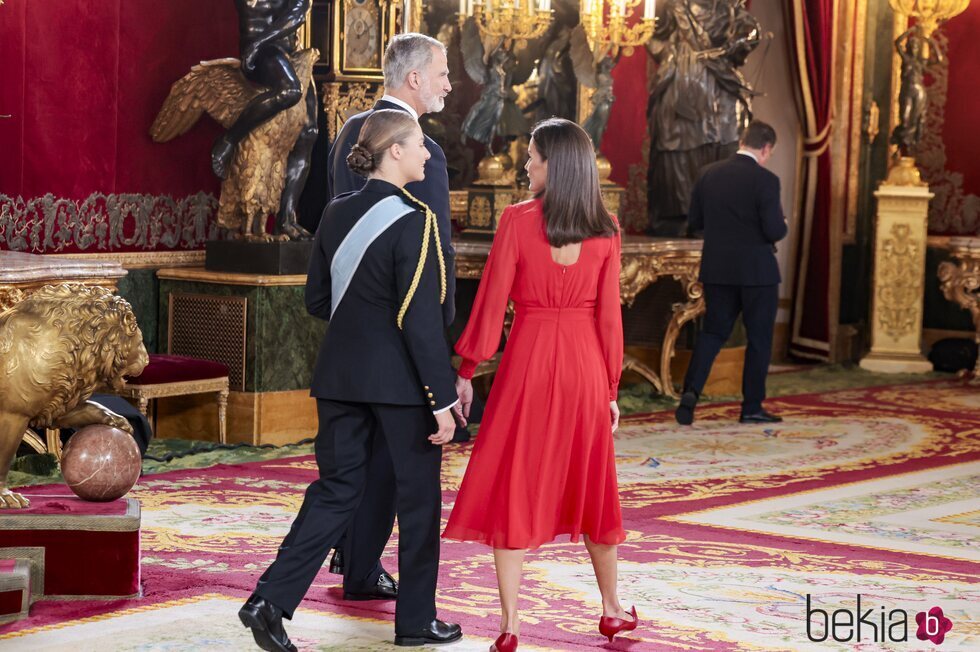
448 407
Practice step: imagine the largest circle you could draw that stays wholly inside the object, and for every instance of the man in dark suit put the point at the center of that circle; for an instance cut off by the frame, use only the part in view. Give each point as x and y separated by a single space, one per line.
382 375
736 203
416 81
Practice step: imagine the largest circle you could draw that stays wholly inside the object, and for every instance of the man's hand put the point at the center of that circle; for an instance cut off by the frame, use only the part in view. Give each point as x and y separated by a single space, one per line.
464 389
614 414
447 426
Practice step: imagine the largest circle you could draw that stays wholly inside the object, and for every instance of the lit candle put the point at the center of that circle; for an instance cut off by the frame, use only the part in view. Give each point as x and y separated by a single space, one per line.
650 9
462 8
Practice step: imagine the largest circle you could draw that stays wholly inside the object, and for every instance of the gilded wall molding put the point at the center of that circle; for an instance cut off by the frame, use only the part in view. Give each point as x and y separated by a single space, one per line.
107 222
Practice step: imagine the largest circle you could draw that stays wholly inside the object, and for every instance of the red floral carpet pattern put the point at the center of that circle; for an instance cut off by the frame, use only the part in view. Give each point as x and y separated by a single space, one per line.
869 492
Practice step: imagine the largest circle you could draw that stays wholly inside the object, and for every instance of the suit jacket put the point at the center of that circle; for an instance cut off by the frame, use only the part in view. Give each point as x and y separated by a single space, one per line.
365 357
433 190
736 202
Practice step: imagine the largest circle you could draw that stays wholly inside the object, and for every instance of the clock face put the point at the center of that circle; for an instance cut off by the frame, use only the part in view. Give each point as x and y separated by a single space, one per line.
362 45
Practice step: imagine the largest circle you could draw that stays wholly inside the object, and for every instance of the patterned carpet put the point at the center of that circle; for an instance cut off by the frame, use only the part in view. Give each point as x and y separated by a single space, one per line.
868 492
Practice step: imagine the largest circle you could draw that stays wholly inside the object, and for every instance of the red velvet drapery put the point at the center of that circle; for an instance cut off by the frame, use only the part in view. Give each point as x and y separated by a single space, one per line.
811 32
82 82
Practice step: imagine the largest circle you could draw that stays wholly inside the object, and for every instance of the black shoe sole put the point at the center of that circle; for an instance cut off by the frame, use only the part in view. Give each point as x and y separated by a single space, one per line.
416 641
758 421
684 414
359 597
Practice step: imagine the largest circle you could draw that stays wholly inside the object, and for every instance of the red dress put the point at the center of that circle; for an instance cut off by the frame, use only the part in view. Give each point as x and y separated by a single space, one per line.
543 463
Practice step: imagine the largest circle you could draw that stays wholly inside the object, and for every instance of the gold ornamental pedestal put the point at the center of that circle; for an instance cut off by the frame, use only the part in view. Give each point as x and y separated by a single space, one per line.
899 273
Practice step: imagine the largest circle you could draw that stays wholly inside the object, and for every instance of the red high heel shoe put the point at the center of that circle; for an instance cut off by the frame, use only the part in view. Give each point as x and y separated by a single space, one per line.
609 627
506 642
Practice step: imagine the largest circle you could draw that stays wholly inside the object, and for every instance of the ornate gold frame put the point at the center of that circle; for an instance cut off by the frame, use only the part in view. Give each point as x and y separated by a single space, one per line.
387 27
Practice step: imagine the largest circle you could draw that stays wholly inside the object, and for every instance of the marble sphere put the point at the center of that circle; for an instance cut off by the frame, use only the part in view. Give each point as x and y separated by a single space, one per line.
101 463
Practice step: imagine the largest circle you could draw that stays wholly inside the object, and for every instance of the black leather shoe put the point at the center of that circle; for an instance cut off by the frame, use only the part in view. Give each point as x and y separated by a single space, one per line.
265 621
337 562
385 589
437 633
684 414
759 417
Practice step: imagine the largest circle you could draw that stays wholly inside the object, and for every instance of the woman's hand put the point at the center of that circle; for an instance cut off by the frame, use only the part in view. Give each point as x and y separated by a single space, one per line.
614 414
464 389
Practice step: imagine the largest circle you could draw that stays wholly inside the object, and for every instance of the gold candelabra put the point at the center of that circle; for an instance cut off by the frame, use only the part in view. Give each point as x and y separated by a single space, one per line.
516 20
605 23
929 13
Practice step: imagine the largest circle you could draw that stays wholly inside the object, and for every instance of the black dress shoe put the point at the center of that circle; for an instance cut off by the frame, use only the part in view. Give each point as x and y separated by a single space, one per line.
684 414
265 621
437 633
759 417
337 562
385 589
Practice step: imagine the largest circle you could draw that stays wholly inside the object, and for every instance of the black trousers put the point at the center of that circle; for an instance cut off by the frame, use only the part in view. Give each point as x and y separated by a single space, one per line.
723 303
348 433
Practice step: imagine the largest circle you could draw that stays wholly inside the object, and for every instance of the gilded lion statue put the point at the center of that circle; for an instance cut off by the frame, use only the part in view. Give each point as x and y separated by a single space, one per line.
58 346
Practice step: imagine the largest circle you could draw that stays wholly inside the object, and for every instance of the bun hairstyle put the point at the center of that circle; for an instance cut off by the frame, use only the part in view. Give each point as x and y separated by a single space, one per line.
360 160
382 129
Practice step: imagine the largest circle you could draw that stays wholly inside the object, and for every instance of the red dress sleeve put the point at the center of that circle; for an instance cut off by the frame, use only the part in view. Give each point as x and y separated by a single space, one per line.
481 338
609 317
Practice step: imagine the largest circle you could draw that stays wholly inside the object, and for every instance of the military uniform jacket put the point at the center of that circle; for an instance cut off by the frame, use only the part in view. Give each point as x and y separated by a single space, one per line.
366 357
433 190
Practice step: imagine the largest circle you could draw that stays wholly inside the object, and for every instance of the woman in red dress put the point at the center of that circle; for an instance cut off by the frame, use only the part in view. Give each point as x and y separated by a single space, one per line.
543 464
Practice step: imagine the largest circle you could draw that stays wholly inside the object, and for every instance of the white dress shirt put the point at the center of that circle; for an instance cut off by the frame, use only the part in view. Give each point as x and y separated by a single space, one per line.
402 103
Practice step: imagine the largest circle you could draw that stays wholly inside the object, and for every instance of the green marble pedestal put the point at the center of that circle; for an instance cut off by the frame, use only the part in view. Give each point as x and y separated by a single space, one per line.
259 327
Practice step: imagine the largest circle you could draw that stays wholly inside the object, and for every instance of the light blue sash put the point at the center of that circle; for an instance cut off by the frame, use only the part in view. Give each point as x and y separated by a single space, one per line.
350 252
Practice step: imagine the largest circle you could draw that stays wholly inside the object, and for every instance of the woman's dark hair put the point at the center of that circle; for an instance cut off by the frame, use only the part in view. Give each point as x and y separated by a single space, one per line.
382 129
572 200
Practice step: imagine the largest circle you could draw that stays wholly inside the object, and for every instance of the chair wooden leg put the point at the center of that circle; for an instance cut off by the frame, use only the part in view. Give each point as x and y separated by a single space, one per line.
143 404
222 416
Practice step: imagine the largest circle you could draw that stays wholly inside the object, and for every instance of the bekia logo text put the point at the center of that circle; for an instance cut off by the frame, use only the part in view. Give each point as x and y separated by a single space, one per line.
880 626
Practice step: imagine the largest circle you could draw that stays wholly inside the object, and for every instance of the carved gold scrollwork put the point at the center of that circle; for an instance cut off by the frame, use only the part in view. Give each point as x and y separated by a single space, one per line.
341 104
900 290
635 274
480 213
960 283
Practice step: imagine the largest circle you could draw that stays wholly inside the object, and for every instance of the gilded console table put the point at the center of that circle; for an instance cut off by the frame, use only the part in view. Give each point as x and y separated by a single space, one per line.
960 282
22 274
644 261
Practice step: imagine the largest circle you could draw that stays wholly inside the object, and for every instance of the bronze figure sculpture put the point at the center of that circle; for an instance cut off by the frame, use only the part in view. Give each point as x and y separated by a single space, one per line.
699 101
57 347
598 76
556 79
498 68
268 105
912 47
